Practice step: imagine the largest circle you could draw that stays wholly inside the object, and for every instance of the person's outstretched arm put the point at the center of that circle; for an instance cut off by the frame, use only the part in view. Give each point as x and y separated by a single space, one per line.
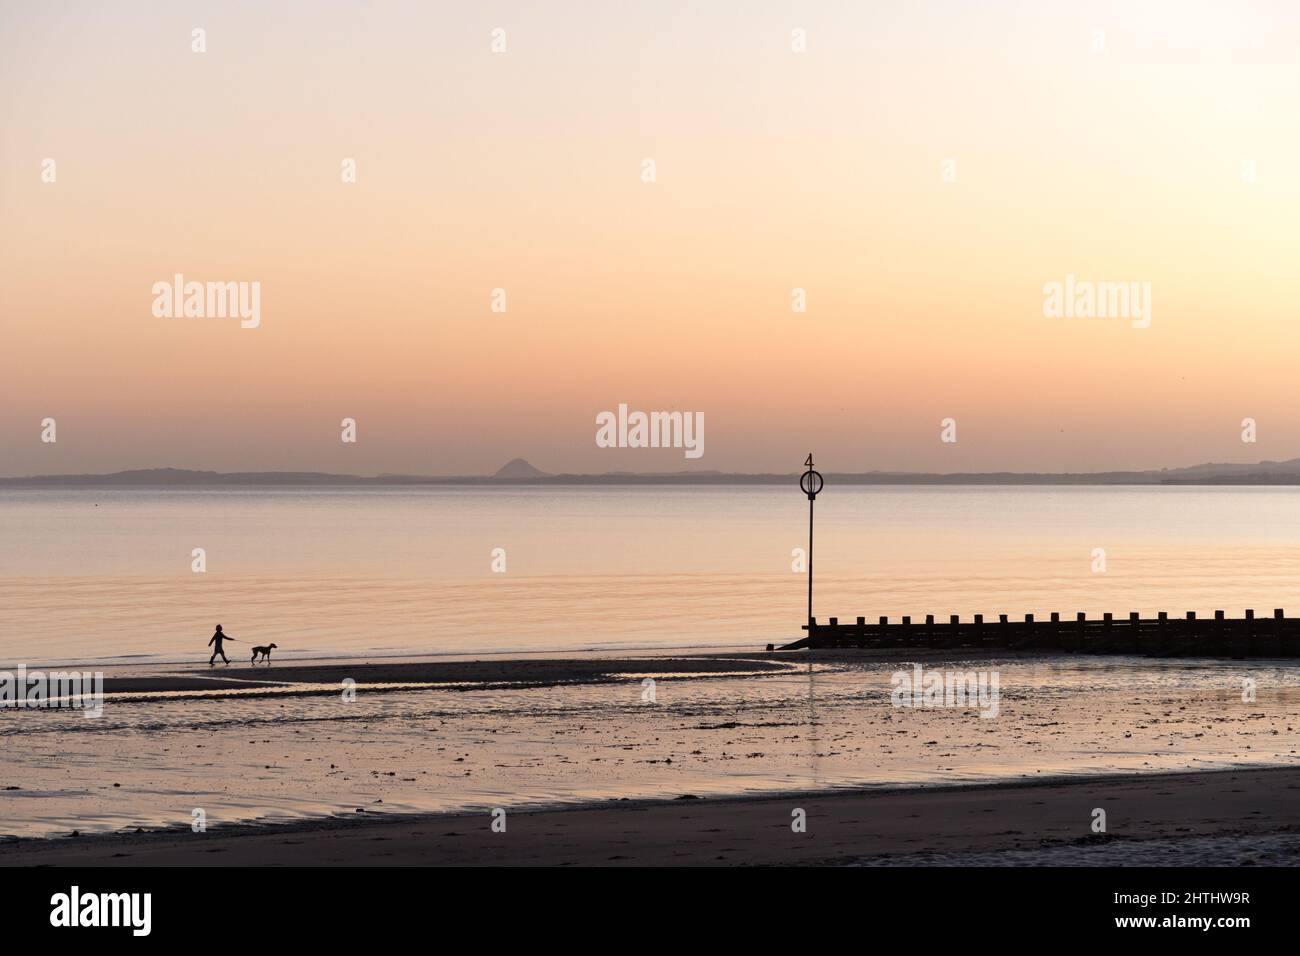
214 637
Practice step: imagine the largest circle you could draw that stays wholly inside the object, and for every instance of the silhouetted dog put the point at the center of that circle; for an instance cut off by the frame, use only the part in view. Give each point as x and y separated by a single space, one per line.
265 652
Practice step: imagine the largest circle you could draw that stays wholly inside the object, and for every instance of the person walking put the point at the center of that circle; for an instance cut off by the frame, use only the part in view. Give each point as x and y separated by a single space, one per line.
217 638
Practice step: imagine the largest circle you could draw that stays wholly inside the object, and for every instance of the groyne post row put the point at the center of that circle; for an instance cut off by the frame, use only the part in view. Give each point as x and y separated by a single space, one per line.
1162 635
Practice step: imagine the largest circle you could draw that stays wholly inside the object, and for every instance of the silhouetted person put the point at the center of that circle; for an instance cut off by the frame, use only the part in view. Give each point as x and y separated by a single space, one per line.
217 638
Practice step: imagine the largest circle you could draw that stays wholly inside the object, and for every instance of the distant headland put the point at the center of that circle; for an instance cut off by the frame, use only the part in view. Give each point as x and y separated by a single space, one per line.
520 472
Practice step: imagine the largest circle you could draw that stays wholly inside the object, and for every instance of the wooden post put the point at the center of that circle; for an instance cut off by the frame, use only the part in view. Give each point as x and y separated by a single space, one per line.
1080 625
1133 623
1277 622
1056 630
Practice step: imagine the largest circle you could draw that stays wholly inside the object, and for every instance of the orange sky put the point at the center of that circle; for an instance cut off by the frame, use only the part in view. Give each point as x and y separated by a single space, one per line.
521 170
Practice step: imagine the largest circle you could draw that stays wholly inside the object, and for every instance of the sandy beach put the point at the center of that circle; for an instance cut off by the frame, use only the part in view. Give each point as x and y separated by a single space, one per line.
661 760
1211 818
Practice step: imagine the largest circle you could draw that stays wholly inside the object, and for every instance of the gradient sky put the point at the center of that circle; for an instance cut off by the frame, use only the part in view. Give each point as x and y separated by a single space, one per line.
775 170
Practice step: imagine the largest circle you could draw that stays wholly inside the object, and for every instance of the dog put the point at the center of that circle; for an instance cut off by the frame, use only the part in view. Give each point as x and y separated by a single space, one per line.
265 652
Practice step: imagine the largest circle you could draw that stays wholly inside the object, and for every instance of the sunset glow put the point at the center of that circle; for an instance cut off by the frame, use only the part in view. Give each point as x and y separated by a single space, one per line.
1167 157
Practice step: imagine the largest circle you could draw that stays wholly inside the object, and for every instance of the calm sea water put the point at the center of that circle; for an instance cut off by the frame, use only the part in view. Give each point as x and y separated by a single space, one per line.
87 575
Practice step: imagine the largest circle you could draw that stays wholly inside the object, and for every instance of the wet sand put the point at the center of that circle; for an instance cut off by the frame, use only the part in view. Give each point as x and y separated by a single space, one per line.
1222 818
279 751
325 678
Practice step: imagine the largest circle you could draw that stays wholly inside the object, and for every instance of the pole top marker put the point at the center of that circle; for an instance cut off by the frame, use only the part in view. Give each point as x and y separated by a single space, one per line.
811 482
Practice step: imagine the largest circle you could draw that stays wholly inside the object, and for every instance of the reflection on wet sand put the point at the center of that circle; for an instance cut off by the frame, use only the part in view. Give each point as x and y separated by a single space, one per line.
539 733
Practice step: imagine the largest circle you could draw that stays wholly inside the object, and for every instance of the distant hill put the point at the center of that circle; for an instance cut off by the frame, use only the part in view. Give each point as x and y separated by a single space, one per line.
517 468
520 472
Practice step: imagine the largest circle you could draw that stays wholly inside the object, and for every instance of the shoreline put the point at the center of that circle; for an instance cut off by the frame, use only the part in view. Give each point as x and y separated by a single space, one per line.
197 664
552 667
910 825
201 682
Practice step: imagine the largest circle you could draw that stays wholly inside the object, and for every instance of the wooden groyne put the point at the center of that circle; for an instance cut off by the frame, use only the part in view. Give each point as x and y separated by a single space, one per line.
1218 636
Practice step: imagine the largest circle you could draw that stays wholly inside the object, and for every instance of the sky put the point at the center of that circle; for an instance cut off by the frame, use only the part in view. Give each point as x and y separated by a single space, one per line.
922 170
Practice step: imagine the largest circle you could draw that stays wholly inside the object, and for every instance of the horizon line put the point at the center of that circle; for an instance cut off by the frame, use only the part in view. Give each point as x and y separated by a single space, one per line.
520 471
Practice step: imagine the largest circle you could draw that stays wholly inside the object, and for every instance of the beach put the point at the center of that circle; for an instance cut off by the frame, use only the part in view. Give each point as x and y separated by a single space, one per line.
662 759
1224 818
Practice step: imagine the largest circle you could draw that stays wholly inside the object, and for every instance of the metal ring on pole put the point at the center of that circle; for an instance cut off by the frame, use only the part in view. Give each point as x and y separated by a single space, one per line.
811 483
